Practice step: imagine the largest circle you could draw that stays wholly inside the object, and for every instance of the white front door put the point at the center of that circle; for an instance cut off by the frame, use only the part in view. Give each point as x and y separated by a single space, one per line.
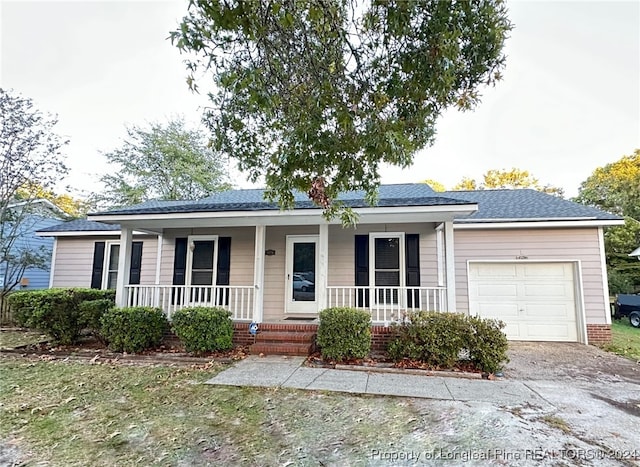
301 295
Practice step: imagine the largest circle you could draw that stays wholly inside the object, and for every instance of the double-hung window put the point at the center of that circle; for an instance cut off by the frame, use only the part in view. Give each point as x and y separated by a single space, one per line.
387 257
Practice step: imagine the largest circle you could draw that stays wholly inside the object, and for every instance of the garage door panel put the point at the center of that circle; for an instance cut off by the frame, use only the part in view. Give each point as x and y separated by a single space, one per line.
494 270
500 311
535 300
497 290
548 291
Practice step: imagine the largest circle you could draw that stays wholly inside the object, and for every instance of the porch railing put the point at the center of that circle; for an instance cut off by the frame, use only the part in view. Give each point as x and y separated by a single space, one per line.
237 299
388 304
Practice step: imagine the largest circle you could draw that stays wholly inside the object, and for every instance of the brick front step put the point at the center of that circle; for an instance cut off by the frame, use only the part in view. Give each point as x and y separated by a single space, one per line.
285 337
278 348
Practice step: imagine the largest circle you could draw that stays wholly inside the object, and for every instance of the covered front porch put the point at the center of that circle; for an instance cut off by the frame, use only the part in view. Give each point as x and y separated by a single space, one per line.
270 266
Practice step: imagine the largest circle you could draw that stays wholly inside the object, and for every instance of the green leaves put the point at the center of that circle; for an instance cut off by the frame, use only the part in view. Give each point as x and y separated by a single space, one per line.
165 161
336 89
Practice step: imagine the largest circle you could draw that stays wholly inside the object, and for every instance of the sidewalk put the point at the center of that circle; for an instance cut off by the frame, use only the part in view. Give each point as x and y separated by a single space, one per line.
287 372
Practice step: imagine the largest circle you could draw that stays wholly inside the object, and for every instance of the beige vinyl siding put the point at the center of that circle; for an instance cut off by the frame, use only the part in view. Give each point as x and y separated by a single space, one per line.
74 260
242 251
535 244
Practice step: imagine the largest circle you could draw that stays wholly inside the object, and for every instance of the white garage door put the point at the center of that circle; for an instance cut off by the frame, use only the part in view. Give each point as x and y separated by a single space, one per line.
536 300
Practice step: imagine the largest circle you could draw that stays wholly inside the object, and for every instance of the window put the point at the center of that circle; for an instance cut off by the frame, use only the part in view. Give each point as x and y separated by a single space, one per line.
387 255
110 269
201 260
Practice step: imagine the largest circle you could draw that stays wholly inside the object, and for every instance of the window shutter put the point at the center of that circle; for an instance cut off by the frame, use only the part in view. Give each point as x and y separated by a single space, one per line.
179 268
136 263
98 261
412 261
180 262
362 268
224 265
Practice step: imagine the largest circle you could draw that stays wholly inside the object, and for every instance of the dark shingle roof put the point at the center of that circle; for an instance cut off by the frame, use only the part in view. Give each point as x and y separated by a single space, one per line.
493 205
524 204
81 225
409 194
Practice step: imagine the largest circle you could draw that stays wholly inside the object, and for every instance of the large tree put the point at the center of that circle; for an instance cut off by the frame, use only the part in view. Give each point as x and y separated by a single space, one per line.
509 179
616 188
315 95
30 156
164 161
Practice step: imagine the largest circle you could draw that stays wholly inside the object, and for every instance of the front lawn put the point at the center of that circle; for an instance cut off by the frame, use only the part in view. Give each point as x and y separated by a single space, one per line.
12 338
66 413
625 339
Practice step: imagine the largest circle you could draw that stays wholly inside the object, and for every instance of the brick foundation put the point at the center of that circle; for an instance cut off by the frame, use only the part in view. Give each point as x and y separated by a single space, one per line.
599 333
241 335
380 337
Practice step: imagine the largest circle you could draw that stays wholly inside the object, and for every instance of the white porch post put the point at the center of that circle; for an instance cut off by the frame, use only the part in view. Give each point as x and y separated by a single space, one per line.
258 274
322 279
124 265
450 266
159 258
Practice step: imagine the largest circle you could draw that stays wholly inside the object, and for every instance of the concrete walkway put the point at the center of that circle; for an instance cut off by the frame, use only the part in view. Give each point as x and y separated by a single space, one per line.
288 372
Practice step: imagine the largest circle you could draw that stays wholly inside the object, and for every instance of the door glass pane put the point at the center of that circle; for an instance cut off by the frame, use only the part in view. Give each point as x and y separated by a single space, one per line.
387 278
387 253
202 278
304 271
112 266
112 279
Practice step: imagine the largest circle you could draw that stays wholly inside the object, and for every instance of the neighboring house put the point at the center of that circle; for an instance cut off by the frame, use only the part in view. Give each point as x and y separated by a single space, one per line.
42 214
533 260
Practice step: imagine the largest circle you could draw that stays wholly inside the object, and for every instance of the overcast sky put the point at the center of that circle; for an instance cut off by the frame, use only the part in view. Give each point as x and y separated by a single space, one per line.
569 101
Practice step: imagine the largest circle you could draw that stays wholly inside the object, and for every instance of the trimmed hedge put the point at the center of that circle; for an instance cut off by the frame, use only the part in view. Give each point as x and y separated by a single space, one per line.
203 329
344 333
443 339
133 329
61 313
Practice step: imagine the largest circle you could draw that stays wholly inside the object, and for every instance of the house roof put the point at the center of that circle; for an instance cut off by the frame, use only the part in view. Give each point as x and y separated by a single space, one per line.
494 206
409 194
81 225
524 205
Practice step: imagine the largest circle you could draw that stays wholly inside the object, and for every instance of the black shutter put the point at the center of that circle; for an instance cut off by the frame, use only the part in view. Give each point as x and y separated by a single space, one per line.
412 253
362 268
180 262
136 263
98 261
179 267
224 265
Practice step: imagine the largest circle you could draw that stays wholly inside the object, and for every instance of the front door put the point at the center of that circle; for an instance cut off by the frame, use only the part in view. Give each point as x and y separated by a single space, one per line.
300 280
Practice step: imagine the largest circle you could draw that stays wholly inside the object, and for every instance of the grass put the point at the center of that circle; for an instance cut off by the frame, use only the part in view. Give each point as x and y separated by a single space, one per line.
69 414
625 340
10 339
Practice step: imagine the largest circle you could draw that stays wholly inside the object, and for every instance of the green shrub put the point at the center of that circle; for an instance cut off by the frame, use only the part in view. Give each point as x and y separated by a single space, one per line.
443 339
430 337
344 333
58 312
133 329
91 312
203 329
487 344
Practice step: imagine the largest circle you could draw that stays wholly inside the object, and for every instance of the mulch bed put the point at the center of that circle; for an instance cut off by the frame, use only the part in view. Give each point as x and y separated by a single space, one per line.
91 350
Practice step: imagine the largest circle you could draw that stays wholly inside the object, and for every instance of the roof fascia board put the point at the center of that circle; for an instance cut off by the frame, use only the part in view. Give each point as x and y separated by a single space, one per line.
90 233
120 218
546 223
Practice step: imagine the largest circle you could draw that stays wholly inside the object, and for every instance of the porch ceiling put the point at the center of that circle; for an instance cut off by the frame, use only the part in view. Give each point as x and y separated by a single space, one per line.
377 215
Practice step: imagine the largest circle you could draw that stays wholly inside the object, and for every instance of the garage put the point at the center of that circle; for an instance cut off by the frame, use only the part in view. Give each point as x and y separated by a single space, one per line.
537 301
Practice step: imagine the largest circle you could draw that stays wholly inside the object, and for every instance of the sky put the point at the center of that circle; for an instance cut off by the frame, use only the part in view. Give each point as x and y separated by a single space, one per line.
569 101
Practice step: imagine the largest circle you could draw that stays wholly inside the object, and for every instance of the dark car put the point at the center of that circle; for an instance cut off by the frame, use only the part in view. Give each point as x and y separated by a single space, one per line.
628 305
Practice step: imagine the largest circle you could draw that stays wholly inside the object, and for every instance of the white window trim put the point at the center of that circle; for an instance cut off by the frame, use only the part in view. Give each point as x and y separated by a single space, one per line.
105 263
189 269
372 255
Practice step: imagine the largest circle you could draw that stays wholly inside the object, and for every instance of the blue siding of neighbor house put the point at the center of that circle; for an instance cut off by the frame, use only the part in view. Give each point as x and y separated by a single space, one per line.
38 278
